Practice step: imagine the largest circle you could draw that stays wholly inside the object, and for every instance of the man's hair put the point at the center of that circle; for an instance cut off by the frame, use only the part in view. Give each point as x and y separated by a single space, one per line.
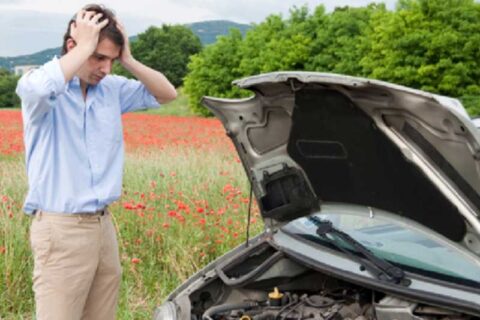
110 31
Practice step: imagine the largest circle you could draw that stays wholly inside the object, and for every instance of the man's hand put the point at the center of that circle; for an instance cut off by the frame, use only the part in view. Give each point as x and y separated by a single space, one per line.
126 54
86 29
84 33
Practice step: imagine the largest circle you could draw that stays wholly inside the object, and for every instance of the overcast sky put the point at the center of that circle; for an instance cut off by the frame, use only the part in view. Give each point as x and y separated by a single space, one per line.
28 26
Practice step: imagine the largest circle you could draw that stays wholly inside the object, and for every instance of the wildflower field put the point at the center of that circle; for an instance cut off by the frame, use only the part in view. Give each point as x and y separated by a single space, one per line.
184 203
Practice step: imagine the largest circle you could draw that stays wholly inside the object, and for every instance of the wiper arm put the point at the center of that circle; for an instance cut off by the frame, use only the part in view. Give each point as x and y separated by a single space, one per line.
380 268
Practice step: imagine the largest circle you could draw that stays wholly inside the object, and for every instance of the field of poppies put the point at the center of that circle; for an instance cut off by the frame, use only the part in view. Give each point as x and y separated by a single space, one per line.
184 202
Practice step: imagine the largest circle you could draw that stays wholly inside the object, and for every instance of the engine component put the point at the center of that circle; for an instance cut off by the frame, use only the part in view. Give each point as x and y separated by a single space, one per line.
291 306
391 308
275 298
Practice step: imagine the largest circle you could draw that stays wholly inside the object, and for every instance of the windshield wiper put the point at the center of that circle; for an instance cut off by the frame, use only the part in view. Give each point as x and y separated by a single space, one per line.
381 269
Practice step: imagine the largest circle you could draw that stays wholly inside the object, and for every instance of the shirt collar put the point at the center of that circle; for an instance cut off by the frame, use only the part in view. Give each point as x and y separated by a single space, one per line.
74 83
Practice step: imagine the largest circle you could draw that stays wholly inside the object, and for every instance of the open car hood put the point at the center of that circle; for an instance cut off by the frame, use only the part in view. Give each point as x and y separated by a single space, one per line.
306 137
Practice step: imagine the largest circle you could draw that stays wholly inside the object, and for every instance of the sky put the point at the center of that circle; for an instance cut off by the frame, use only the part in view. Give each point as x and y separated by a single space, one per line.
28 26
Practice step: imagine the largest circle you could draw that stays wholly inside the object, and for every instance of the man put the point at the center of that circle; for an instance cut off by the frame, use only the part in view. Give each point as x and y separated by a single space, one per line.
71 111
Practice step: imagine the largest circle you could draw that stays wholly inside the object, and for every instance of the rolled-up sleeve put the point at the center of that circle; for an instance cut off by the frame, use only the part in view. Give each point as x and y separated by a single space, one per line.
134 95
39 88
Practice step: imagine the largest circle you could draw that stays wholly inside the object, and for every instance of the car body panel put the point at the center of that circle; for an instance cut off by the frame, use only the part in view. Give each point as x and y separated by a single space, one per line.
305 138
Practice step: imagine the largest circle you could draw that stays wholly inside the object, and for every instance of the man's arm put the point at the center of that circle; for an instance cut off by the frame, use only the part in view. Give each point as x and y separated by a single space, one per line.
156 83
37 89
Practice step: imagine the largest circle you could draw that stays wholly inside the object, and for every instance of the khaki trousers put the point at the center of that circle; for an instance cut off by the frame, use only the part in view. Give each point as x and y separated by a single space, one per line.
77 268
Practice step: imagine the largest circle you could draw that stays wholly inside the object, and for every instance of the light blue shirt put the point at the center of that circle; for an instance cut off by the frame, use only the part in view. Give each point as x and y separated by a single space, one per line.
74 149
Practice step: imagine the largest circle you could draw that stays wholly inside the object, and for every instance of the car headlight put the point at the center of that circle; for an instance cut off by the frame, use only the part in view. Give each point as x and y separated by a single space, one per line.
166 311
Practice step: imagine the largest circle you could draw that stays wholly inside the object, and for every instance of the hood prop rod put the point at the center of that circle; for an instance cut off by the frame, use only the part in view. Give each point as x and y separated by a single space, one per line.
249 214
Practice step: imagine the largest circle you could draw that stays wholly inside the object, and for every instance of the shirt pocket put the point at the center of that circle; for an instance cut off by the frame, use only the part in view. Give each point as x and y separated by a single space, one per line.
109 123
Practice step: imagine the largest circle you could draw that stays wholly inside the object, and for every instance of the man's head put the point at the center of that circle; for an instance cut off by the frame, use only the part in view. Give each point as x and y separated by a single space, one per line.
110 44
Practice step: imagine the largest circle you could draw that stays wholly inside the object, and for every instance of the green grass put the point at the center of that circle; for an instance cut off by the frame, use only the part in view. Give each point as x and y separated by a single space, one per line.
178 107
212 185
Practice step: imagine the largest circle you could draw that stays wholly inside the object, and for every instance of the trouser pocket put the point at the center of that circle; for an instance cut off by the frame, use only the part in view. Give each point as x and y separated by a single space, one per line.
41 240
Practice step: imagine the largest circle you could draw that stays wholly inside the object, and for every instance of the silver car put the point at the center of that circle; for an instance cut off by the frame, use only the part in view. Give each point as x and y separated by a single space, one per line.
370 194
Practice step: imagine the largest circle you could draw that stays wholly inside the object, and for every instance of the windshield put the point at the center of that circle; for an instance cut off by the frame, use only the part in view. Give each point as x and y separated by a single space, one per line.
401 242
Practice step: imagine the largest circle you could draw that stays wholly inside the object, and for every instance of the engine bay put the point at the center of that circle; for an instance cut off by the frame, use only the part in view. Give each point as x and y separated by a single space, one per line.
263 284
335 301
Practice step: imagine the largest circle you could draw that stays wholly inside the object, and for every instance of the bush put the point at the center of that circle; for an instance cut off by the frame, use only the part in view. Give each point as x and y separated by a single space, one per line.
430 45
8 83
212 71
472 104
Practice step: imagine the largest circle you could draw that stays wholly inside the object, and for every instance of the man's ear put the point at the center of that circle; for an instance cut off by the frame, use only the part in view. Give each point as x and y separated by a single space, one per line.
70 44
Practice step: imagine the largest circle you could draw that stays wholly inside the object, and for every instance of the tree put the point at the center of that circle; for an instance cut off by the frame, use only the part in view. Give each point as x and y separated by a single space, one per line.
277 44
430 45
337 39
8 83
167 49
212 71
427 44
273 45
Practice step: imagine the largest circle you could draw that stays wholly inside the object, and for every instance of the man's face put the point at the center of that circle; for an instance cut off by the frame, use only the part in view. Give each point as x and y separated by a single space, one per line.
99 64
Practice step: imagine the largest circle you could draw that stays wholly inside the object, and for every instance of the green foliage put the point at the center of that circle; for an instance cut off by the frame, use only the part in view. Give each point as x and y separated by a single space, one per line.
338 40
427 44
303 41
272 45
167 49
212 71
472 104
277 44
8 83
430 45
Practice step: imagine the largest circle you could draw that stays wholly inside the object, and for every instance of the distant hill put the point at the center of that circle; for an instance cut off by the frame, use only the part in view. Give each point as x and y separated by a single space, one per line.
36 58
207 31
